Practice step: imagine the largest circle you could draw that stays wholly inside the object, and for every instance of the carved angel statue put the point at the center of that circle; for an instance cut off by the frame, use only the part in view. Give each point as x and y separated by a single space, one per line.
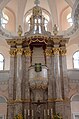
20 31
55 30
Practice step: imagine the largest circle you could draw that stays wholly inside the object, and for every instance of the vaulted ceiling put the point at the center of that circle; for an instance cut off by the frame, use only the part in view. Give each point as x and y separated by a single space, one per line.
55 7
20 7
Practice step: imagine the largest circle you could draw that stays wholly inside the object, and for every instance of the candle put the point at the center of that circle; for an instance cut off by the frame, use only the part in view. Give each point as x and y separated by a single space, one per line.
51 112
32 113
48 111
28 112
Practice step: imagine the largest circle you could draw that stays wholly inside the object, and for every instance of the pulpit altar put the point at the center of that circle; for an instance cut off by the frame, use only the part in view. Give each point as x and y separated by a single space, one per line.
38 82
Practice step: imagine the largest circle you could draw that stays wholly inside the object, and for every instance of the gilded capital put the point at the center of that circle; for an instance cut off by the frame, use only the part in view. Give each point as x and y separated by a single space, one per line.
19 50
63 52
12 52
56 51
11 42
48 52
27 52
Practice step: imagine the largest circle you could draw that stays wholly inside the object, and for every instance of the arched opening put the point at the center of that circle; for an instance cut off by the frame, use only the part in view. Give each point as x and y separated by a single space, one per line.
1 62
75 106
76 60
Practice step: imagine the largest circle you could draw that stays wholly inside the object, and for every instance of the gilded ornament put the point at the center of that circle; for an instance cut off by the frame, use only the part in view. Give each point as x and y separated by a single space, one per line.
12 52
48 52
27 52
19 50
11 42
19 116
19 41
56 51
20 31
56 40
18 101
55 30
63 52
57 116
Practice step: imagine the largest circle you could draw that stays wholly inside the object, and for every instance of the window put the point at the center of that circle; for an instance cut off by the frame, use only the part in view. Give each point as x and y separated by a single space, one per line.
69 19
76 60
4 20
1 62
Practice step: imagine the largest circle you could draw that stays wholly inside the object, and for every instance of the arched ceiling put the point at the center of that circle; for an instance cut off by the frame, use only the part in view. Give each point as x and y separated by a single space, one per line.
20 7
55 7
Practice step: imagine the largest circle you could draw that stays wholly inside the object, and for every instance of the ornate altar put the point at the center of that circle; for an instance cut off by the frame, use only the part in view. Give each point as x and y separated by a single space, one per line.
38 83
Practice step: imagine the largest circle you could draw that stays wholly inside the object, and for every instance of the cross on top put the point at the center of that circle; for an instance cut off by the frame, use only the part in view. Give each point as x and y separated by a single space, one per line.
37 2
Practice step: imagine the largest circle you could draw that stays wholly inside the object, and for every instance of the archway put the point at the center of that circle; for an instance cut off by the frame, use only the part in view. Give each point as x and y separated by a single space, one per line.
75 106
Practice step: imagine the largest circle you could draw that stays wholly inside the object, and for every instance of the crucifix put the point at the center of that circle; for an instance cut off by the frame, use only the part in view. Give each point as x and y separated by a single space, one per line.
38 110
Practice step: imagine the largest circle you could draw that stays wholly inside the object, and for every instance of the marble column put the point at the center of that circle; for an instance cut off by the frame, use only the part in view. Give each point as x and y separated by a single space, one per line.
11 90
50 76
27 53
57 72
19 80
48 52
64 71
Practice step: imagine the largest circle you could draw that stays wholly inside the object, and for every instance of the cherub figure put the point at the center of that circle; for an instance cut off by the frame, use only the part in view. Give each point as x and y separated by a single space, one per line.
20 30
55 30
